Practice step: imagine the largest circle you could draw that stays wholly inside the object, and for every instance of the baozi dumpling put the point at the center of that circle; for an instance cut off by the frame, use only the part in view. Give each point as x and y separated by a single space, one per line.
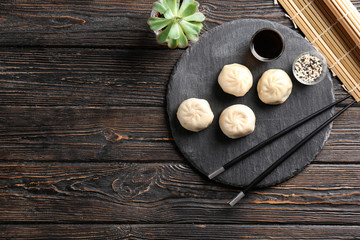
237 121
195 114
274 86
235 79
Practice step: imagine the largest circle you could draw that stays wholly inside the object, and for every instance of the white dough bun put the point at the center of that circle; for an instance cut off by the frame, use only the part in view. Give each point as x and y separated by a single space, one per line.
274 87
237 121
195 114
235 79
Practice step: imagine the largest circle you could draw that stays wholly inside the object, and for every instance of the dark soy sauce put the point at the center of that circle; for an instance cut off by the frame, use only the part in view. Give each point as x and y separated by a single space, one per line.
267 45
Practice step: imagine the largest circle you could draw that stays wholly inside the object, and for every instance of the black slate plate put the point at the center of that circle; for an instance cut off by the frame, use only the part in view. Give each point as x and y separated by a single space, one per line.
195 75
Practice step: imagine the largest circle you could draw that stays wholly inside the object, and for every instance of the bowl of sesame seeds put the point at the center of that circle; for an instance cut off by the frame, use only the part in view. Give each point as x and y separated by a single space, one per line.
310 68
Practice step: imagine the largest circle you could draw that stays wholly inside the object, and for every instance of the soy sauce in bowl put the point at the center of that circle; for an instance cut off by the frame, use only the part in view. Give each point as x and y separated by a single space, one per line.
267 45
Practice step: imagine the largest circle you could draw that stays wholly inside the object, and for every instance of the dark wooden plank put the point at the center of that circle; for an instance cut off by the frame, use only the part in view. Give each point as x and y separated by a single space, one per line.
88 77
178 231
343 143
114 23
123 133
85 134
85 77
171 193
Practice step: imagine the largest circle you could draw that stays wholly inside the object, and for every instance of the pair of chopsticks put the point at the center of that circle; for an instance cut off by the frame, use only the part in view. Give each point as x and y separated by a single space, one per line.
286 155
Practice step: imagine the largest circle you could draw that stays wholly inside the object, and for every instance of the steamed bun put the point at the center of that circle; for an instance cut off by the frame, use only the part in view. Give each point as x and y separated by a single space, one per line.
195 114
237 121
274 86
235 79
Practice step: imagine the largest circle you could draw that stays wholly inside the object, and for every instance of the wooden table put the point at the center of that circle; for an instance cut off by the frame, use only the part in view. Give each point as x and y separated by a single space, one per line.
86 150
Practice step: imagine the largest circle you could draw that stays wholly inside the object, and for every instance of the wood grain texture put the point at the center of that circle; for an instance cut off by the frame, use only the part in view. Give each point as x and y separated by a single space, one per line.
86 152
177 231
85 134
171 193
85 77
115 23
124 134
89 77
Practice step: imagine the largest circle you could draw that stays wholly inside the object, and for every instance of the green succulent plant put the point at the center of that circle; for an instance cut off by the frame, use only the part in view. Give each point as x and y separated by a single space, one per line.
177 22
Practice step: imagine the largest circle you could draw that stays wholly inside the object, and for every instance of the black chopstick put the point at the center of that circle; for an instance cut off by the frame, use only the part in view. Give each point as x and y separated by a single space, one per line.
272 138
286 155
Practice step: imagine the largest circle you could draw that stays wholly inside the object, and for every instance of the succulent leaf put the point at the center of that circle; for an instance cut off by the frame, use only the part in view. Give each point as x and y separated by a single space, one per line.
182 41
191 27
184 5
196 17
164 3
172 43
172 6
169 14
192 37
191 9
157 24
177 6
175 31
158 7
163 36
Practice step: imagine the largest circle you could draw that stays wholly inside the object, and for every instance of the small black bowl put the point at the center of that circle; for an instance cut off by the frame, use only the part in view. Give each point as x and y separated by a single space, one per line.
267 44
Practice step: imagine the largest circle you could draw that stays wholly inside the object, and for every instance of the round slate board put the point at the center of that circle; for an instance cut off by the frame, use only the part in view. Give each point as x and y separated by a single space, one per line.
195 75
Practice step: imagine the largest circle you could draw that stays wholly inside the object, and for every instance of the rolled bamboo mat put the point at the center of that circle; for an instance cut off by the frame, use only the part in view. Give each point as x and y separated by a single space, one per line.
333 27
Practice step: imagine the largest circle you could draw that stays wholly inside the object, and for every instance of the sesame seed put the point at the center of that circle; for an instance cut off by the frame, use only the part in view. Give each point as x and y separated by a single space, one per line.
308 68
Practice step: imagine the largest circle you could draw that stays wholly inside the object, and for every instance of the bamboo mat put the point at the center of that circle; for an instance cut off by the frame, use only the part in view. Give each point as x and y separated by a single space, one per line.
332 27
